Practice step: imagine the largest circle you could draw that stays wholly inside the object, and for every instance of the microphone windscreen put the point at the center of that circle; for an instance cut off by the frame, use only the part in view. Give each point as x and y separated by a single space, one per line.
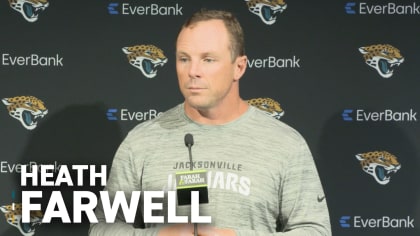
189 140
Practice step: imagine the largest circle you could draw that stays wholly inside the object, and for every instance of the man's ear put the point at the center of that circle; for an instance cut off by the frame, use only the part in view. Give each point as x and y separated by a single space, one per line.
240 67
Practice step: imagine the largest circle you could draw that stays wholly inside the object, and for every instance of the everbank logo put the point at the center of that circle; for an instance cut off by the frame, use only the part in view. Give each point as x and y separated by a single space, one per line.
273 62
154 9
114 114
384 222
33 59
390 8
11 168
387 115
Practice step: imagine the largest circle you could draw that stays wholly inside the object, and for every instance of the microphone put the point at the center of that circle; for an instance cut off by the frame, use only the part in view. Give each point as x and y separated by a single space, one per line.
192 180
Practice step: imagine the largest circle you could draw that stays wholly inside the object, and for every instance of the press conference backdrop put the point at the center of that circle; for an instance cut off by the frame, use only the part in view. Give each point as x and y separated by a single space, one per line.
77 75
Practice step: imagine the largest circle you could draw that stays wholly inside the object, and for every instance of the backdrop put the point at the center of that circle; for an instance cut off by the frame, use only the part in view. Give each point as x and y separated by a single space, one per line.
77 75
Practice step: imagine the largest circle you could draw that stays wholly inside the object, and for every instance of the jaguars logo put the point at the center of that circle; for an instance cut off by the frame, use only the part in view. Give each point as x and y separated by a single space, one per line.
30 9
147 58
384 58
13 214
379 164
268 105
26 109
267 10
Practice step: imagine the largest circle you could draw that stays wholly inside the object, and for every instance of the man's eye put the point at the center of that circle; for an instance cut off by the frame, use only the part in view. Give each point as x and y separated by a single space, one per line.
208 59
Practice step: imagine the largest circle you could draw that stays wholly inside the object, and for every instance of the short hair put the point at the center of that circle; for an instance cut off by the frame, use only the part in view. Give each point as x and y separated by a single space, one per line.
236 34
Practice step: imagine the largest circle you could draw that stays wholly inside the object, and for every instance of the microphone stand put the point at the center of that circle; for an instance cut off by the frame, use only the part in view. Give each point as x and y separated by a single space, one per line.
191 169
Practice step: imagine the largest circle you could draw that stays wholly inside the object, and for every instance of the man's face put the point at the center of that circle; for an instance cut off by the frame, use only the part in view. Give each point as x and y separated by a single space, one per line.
204 65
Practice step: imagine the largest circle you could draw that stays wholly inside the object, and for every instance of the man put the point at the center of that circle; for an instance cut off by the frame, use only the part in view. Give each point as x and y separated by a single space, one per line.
261 176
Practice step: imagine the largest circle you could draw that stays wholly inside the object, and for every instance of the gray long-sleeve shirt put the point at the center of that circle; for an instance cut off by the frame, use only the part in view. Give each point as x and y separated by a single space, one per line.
261 175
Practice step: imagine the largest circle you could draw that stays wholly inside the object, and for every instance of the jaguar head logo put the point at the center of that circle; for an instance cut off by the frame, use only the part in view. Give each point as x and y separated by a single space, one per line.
147 58
26 109
384 58
268 105
267 10
29 9
13 214
381 165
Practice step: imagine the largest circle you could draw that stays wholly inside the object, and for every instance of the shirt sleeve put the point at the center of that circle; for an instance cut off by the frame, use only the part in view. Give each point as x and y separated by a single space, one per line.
125 175
303 207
